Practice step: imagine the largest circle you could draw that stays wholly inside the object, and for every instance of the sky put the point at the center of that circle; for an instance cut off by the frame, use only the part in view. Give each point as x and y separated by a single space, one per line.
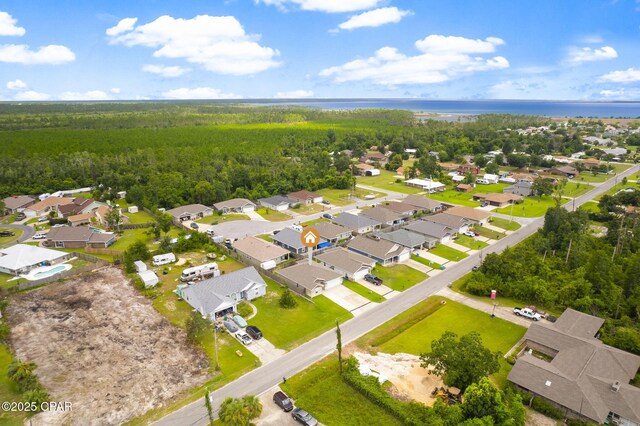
216 49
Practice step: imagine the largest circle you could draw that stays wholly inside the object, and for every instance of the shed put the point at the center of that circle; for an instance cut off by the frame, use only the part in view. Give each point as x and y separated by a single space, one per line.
149 278
140 266
133 209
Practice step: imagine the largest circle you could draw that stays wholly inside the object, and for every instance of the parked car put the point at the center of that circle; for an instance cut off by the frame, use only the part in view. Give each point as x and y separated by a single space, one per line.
469 234
303 417
373 279
240 321
527 313
231 326
59 225
21 216
283 401
7 233
244 337
326 202
194 225
484 204
254 332
476 233
475 268
327 216
39 236
43 219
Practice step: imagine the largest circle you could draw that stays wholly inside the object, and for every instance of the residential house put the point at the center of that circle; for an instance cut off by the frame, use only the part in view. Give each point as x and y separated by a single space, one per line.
401 208
468 168
498 199
566 171
48 204
305 197
591 163
79 205
382 251
260 253
277 202
565 364
220 295
383 215
19 259
101 214
458 224
235 205
522 188
350 264
594 140
475 216
357 223
491 178
423 204
331 232
374 157
617 152
456 178
289 239
523 177
17 203
427 185
190 212
436 231
364 169
81 219
78 237
411 240
310 279
464 187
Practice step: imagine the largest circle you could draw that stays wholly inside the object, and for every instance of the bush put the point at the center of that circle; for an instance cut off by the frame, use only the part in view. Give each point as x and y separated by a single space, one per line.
287 300
244 309
546 408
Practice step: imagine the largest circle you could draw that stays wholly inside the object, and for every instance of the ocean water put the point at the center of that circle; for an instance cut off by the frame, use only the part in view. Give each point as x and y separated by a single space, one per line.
475 107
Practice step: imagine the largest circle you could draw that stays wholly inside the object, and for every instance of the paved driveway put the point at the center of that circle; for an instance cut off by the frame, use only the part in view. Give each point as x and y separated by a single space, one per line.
27 232
346 298
265 350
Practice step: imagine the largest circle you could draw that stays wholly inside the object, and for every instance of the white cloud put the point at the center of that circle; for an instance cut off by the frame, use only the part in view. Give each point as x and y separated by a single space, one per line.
92 95
165 71
8 26
629 75
114 90
586 54
328 6
126 24
441 59
375 18
516 89
621 94
21 54
16 85
294 94
217 43
31 95
199 93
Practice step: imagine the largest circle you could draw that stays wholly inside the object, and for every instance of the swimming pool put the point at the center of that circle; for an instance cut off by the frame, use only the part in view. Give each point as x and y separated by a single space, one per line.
46 271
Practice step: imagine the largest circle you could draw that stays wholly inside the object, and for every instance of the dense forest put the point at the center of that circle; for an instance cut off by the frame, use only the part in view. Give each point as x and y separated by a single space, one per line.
562 266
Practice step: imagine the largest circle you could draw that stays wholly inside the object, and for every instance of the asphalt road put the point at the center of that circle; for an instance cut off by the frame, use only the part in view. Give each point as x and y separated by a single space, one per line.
265 377
27 232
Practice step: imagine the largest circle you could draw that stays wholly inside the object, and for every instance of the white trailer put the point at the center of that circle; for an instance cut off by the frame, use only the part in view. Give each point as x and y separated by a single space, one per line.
200 272
163 259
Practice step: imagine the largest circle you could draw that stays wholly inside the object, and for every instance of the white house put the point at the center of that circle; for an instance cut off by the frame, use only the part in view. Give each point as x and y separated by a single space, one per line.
21 258
427 185
491 178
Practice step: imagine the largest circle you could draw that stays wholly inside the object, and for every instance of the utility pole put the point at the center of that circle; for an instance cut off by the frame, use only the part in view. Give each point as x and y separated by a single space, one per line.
568 251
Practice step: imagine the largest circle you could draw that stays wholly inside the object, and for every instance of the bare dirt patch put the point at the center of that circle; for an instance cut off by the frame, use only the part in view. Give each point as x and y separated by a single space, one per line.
102 346
410 382
536 419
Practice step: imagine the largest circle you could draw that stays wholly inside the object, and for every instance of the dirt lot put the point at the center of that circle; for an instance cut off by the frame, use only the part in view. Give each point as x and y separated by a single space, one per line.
410 381
102 346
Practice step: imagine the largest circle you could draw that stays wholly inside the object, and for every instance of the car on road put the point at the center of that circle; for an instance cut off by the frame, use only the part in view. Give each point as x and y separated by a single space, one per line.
475 268
194 225
327 216
282 400
254 332
373 279
7 234
231 326
39 236
326 202
303 417
244 337
469 234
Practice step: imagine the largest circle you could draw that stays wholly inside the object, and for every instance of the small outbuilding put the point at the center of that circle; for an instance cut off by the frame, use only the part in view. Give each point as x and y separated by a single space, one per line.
149 278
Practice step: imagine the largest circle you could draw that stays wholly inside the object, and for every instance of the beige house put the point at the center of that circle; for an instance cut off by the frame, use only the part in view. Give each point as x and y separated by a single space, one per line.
260 253
310 279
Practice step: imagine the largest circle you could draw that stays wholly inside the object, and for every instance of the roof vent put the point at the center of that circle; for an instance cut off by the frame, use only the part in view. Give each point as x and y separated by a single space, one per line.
547 383
616 386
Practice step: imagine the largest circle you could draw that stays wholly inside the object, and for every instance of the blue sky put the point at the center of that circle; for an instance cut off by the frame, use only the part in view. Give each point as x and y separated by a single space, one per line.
466 49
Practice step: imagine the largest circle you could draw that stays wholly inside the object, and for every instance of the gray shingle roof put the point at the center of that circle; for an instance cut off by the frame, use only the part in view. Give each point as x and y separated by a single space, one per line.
422 202
451 221
405 238
234 203
432 229
381 214
346 260
259 249
329 231
381 249
188 209
17 201
355 222
277 200
308 276
289 237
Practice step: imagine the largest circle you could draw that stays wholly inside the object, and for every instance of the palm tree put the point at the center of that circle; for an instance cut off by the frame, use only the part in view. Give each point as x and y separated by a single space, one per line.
233 412
253 406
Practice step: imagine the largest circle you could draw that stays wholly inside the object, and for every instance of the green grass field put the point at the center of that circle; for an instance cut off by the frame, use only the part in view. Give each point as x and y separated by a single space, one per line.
343 197
455 197
140 217
266 237
590 206
497 334
9 390
273 215
426 262
321 391
215 219
494 187
576 189
505 224
619 187
363 291
531 206
5 240
309 209
448 253
387 180
399 277
489 233
471 243
288 328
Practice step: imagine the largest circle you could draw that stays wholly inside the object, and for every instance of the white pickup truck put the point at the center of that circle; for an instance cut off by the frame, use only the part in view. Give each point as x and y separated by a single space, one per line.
527 313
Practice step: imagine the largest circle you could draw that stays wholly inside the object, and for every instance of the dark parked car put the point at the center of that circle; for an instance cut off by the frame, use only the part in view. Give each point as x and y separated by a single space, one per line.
194 225
7 233
21 216
303 417
373 279
254 332
327 216
283 401
231 326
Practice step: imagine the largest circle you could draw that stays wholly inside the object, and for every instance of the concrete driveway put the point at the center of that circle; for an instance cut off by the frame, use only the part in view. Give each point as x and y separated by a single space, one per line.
347 298
265 350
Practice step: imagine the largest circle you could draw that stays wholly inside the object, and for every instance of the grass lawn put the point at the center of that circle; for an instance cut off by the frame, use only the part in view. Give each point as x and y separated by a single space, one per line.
590 206
455 197
387 180
321 391
9 390
5 240
471 243
590 177
505 224
9 219
140 217
497 334
620 167
215 219
576 189
314 221
288 328
309 209
266 237
130 236
272 215
531 206
343 197
426 262
494 187
448 252
5 283
619 187
489 233
399 277
363 291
